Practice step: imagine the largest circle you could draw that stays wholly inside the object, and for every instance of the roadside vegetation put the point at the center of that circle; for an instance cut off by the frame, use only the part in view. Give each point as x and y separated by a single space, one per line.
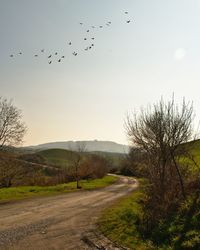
22 192
120 222
123 224
165 212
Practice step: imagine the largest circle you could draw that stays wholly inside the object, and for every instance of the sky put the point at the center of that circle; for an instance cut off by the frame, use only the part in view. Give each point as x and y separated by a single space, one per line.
131 65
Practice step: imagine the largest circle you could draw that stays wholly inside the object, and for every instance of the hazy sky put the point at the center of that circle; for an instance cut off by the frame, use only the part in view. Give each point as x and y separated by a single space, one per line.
87 96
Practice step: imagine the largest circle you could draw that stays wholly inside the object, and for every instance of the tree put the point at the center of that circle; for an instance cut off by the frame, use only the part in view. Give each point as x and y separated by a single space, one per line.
159 131
94 166
10 170
77 160
12 129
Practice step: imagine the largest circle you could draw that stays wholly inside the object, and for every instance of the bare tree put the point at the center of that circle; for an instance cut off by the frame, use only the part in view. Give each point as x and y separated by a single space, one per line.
159 131
77 160
12 129
94 166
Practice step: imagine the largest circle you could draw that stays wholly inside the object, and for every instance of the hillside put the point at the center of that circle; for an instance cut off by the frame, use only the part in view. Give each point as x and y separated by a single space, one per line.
193 159
29 169
57 157
63 158
90 146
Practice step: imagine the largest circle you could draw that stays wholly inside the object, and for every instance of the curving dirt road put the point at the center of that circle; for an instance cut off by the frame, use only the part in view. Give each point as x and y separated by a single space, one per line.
64 221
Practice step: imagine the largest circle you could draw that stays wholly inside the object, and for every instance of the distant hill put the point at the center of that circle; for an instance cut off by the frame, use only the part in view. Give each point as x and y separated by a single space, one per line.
90 146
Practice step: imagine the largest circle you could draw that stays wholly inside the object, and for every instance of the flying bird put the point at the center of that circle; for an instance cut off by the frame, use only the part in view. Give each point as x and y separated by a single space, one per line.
92 38
92 44
126 12
42 50
50 62
70 43
100 26
128 21
59 60
85 39
88 30
11 55
20 53
56 53
36 55
62 56
49 56
81 23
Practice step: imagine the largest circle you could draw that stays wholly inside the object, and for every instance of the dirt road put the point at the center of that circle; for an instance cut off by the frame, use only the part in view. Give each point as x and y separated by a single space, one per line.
57 222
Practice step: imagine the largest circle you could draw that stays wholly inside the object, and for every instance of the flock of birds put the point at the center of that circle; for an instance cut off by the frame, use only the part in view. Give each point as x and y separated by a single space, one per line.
69 43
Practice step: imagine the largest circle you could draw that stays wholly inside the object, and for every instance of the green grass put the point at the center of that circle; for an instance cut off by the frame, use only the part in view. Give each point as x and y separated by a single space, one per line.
16 193
194 150
119 222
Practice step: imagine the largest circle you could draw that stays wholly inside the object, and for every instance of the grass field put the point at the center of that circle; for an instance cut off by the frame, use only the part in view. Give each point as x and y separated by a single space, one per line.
16 193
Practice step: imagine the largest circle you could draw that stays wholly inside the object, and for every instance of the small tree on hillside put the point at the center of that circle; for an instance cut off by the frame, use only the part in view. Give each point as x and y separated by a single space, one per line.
159 131
12 129
77 160
9 170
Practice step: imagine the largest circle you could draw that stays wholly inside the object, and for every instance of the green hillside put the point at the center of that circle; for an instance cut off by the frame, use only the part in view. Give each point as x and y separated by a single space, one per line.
193 159
63 158
58 157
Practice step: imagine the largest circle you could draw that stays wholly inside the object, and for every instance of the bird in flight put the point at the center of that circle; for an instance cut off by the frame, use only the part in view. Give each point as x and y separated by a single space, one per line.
62 56
85 39
59 60
88 30
49 56
36 55
126 12
100 26
50 62
81 23
92 38
11 55
128 21
70 43
20 53
42 50
56 53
